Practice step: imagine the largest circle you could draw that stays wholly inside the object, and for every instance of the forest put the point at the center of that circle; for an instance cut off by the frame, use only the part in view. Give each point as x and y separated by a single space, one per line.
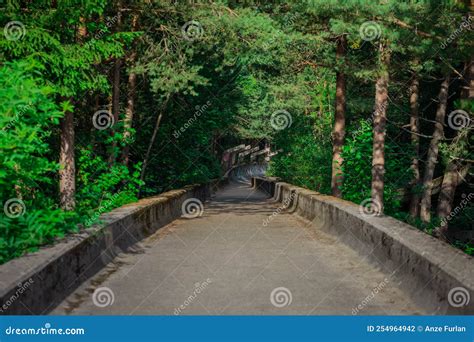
105 102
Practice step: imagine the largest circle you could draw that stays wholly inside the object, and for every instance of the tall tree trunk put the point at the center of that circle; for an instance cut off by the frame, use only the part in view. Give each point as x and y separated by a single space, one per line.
448 187
116 87
468 86
116 73
153 138
81 30
116 90
454 172
415 141
130 110
67 162
215 137
380 118
432 157
339 121
453 176
67 171
93 129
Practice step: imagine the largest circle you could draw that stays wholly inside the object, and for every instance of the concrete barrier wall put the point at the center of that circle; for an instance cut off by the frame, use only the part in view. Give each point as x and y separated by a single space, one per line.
428 269
37 282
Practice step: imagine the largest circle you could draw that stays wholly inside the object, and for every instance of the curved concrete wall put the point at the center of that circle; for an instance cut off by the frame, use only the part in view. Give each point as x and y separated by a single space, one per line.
37 282
245 173
425 267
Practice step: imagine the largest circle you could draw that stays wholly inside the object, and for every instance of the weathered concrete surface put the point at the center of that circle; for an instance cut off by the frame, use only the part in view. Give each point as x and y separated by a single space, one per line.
37 282
428 269
236 256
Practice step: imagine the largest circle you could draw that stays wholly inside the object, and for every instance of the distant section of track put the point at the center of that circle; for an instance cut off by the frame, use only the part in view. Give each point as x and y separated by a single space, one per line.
244 173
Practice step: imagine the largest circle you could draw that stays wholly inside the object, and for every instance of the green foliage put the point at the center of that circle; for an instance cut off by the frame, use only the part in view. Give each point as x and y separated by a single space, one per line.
357 163
306 144
222 87
357 168
98 182
307 165
27 116
49 64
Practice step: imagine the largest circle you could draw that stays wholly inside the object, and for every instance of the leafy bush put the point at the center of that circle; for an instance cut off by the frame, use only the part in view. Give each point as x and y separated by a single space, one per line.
28 113
101 185
357 168
306 147
308 164
32 216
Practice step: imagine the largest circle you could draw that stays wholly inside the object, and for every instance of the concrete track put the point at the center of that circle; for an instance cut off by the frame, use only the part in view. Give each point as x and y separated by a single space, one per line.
235 259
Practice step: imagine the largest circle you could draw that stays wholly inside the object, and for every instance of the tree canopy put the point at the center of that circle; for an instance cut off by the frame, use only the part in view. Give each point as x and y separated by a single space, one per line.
105 102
